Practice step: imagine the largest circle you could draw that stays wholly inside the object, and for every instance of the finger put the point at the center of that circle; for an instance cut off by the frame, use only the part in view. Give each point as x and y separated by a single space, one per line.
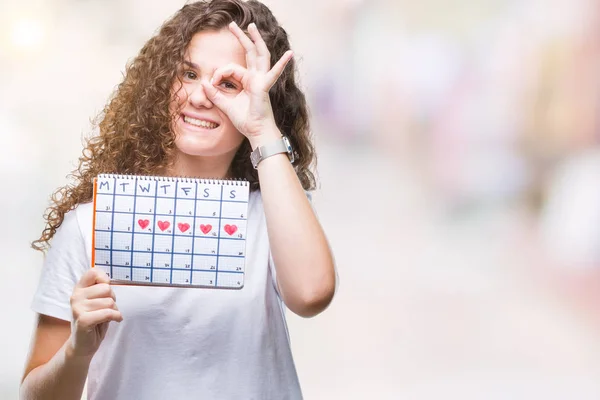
99 290
246 43
232 70
92 277
100 304
278 68
214 95
263 62
90 319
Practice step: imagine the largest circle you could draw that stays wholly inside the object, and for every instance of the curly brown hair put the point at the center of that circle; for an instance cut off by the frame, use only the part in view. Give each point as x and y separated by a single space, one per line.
135 127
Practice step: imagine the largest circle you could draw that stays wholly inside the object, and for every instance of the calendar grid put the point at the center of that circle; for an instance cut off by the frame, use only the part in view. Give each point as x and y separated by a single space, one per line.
112 225
173 198
173 238
132 224
175 253
153 237
219 241
198 270
163 234
170 215
193 238
168 235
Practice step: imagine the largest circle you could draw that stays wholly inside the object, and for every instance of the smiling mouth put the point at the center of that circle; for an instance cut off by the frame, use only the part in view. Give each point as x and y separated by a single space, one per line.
199 122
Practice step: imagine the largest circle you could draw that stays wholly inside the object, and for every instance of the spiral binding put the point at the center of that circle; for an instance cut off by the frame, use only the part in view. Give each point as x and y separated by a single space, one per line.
186 179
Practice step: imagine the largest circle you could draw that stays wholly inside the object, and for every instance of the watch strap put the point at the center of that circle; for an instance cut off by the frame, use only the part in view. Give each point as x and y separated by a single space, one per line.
270 149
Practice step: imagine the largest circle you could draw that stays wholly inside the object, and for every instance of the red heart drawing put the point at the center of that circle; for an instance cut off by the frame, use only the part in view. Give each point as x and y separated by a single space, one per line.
205 228
230 229
143 223
163 225
183 226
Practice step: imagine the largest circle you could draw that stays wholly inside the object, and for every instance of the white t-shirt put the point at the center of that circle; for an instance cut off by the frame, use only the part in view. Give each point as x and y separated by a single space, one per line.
180 343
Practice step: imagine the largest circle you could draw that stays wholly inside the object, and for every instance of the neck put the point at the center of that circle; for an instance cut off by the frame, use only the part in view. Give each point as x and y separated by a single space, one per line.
202 167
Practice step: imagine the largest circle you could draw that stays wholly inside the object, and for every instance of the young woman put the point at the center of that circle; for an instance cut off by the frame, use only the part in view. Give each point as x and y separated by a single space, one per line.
216 83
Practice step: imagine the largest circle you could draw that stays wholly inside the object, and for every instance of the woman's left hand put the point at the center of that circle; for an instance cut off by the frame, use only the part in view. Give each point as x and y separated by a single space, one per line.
250 110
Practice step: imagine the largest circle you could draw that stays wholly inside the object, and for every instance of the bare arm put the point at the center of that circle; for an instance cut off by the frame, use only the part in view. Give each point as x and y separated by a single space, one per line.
61 352
303 259
52 371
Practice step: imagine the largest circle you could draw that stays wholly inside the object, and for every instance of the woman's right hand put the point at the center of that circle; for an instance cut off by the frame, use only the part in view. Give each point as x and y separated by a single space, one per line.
94 305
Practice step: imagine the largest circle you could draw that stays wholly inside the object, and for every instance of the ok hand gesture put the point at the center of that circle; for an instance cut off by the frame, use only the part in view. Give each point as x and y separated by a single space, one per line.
250 110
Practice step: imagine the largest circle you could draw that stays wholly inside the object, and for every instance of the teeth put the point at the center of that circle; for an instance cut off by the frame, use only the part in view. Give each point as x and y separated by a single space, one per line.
199 122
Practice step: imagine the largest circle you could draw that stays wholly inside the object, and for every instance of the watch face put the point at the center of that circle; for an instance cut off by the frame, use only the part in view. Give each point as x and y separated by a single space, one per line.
254 158
289 149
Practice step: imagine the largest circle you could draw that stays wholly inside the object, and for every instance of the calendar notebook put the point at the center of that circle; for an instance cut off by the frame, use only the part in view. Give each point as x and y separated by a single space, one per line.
167 231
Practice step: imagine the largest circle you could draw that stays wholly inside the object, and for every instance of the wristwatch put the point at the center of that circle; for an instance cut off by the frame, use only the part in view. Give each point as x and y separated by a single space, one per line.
279 146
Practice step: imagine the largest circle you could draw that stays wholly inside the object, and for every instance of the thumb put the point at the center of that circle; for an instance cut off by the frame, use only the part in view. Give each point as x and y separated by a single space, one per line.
91 277
214 95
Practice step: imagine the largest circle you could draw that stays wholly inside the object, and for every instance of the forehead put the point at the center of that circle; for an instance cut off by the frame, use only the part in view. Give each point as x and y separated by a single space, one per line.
213 49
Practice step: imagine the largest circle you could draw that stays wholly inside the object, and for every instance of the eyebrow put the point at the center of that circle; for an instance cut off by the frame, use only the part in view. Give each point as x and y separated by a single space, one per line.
191 64
196 66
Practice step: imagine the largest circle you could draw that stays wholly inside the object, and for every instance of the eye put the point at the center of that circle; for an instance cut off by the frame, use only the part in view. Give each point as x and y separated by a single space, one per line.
190 75
228 85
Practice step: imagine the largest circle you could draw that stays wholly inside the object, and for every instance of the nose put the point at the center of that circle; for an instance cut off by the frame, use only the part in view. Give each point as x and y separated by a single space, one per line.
197 97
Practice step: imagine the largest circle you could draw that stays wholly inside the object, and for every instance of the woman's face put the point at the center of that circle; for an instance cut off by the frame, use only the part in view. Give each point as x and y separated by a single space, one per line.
201 129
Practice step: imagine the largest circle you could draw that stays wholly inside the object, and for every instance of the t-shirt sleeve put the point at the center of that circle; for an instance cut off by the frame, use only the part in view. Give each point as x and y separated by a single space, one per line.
272 263
65 262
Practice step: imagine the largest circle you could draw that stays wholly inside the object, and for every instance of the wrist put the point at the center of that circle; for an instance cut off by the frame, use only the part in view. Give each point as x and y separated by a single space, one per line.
267 136
73 357
271 148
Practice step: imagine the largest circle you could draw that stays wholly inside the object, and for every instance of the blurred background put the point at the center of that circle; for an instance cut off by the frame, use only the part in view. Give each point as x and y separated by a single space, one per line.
459 161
